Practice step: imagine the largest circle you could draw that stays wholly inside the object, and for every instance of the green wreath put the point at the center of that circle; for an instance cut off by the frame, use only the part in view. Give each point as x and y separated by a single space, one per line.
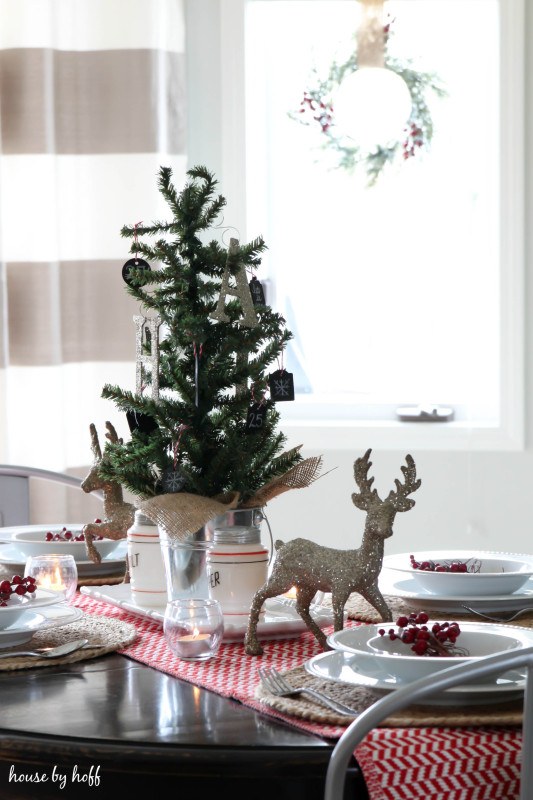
317 108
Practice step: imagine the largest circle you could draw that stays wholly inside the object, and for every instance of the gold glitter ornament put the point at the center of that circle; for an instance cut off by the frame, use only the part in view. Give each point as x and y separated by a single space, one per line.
118 515
314 568
241 290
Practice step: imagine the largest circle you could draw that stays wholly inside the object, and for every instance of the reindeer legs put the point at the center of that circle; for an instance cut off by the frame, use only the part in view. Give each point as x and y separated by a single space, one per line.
373 596
92 552
251 642
303 601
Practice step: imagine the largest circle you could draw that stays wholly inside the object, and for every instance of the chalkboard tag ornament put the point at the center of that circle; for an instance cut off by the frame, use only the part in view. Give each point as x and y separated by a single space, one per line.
137 421
257 292
172 480
255 419
281 385
134 263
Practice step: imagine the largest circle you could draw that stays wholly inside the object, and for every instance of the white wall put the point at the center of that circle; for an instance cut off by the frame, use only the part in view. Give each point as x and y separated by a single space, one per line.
466 500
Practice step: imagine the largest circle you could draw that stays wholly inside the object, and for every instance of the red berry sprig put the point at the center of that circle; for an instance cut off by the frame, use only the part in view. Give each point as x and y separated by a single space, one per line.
439 641
322 113
16 586
66 536
455 565
414 137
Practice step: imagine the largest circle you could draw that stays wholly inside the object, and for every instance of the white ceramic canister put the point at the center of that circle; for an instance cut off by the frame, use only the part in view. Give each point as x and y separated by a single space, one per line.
147 573
237 566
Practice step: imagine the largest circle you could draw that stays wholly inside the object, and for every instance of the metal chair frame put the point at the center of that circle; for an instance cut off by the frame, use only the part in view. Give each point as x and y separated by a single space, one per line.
432 684
35 472
19 497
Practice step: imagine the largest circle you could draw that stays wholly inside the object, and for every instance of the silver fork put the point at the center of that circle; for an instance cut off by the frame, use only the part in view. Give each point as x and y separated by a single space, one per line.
275 684
500 618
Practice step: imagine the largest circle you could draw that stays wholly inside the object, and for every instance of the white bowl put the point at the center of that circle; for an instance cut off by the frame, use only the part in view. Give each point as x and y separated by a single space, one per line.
499 573
16 606
398 660
31 541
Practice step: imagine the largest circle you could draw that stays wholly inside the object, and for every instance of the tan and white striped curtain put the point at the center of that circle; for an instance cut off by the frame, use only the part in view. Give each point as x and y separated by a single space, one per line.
92 102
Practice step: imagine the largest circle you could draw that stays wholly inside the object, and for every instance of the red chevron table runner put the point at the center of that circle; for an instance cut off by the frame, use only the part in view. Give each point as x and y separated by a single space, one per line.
398 763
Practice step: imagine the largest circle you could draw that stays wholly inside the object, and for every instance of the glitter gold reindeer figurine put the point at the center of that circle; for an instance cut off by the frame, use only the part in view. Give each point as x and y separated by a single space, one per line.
312 568
118 514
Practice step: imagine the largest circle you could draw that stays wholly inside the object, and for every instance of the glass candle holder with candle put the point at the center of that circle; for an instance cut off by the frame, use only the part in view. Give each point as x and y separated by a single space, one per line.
193 628
55 572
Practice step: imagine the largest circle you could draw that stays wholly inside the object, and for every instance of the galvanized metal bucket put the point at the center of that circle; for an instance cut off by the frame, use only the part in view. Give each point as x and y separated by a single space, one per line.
185 562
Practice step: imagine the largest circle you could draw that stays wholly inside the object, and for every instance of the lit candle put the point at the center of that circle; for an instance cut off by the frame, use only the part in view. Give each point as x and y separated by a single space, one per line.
292 593
53 582
193 644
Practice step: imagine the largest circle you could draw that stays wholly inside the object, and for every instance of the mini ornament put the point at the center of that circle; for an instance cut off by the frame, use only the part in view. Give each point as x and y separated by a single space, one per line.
256 417
134 263
281 385
138 421
241 290
172 480
257 292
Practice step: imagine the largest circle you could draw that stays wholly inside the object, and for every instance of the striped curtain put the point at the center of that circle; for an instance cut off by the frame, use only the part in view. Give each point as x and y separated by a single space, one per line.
92 102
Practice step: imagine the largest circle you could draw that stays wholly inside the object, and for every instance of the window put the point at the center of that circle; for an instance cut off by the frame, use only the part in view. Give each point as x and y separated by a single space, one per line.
407 292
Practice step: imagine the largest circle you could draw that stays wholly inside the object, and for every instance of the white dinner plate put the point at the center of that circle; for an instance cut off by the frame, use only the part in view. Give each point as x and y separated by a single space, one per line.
31 621
342 667
280 621
10 556
498 573
480 639
407 588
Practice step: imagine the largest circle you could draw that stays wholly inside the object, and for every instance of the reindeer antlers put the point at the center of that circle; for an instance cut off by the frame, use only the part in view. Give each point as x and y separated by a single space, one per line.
95 444
112 435
367 495
399 499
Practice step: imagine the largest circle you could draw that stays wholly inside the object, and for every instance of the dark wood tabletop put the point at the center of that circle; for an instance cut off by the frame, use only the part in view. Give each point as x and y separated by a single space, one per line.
112 724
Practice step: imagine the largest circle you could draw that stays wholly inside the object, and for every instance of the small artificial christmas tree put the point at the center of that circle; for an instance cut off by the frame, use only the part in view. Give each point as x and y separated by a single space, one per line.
212 430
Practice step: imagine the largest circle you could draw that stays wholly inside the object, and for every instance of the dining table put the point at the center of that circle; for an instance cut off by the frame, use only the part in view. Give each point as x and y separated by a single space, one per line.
112 723
136 717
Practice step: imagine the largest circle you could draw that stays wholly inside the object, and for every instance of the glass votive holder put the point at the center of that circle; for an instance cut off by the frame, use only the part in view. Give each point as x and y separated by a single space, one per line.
193 628
55 572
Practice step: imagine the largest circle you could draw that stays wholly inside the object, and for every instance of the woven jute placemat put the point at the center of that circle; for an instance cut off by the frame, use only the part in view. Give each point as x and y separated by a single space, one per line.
101 580
106 633
359 698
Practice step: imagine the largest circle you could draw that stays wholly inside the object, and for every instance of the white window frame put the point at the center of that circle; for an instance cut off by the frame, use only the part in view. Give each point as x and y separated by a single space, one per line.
217 138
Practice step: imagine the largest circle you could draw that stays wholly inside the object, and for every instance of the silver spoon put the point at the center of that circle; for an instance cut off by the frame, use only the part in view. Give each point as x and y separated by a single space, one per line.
49 652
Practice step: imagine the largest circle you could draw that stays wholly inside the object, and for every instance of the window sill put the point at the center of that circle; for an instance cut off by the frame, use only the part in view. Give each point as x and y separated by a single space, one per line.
395 435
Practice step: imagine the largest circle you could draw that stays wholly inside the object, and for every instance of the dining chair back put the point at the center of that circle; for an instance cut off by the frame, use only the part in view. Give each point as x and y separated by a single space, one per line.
15 491
431 685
